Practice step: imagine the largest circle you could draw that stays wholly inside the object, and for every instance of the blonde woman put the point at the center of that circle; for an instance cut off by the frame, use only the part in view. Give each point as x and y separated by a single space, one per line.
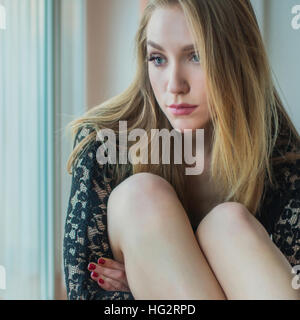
149 231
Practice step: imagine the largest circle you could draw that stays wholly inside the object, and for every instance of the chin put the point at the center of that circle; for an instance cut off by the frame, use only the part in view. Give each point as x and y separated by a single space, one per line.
181 128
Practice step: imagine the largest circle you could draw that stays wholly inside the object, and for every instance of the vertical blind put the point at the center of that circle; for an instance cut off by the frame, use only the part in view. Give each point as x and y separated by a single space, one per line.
26 150
31 140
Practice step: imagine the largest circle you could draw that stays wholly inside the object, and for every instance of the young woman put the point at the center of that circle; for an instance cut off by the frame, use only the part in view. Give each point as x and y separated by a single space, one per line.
231 232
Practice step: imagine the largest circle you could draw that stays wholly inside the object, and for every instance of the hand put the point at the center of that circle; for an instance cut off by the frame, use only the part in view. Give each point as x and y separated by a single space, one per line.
112 274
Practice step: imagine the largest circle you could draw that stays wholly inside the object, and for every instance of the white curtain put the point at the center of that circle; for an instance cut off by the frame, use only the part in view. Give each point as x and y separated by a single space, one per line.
41 85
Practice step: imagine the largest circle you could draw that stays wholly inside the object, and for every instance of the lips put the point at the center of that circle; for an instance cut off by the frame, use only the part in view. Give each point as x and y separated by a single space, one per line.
181 106
182 109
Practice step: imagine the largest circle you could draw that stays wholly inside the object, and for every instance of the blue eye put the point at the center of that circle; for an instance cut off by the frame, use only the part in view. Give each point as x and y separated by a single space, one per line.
155 58
195 55
159 58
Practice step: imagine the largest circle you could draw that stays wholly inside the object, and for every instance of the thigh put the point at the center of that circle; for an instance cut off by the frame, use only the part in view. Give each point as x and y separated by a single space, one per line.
159 243
242 255
126 203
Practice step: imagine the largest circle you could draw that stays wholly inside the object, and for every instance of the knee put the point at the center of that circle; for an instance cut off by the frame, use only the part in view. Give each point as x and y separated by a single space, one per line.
138 192
141 185
228 219
230 212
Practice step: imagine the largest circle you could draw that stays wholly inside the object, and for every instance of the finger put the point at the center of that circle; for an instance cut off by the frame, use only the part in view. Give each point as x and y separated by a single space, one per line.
106 262
107 283
111 285
114 274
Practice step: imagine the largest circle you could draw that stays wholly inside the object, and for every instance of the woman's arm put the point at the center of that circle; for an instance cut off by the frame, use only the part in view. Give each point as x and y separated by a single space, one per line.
86 238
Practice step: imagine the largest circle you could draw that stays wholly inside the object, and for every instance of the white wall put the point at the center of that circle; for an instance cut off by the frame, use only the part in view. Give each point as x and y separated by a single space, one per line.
111 29
283 47
258 6
110 47
284 51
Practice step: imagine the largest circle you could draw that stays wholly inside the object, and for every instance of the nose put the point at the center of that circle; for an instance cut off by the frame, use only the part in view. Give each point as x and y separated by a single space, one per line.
177 83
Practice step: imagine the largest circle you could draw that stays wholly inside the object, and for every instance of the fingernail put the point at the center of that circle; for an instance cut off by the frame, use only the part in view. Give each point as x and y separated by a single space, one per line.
101 261
101 281
91 266
95 274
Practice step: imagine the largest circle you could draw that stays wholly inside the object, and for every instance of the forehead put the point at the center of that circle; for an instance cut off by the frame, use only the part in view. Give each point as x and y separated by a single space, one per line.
168 27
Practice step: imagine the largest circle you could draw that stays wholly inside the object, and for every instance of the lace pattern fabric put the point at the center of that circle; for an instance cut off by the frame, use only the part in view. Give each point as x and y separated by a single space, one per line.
86 238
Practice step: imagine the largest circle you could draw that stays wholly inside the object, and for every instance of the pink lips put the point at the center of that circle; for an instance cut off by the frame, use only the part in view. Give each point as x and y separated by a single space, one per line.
182 109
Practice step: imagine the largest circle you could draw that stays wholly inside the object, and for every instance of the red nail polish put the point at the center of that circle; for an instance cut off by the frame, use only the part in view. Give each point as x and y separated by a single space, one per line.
101 261
95 274
91 266
101 281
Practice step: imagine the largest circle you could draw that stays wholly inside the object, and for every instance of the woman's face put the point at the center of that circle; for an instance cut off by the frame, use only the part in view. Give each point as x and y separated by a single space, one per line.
175 74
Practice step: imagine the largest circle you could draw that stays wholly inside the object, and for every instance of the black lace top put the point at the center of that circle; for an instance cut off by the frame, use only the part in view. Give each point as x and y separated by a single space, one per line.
86 237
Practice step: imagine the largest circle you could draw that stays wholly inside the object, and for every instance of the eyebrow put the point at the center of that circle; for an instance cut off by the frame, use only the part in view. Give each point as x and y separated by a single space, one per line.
157 46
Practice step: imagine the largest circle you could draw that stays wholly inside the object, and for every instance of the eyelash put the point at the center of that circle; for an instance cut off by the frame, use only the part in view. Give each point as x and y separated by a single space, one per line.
153 57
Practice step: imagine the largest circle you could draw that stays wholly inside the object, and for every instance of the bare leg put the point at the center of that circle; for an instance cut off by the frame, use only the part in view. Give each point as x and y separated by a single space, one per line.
150 230
246 262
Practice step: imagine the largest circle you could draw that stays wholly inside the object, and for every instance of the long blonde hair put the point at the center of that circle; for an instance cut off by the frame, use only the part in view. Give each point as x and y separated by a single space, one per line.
246 111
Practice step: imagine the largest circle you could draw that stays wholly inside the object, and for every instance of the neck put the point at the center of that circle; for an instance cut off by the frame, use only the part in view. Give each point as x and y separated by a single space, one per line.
207 141
199 151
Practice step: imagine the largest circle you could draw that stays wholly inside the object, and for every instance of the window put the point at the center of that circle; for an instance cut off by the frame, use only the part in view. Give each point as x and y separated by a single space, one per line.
42 88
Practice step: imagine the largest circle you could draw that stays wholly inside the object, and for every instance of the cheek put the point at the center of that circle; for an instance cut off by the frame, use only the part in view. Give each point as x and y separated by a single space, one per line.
156 83
200 88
